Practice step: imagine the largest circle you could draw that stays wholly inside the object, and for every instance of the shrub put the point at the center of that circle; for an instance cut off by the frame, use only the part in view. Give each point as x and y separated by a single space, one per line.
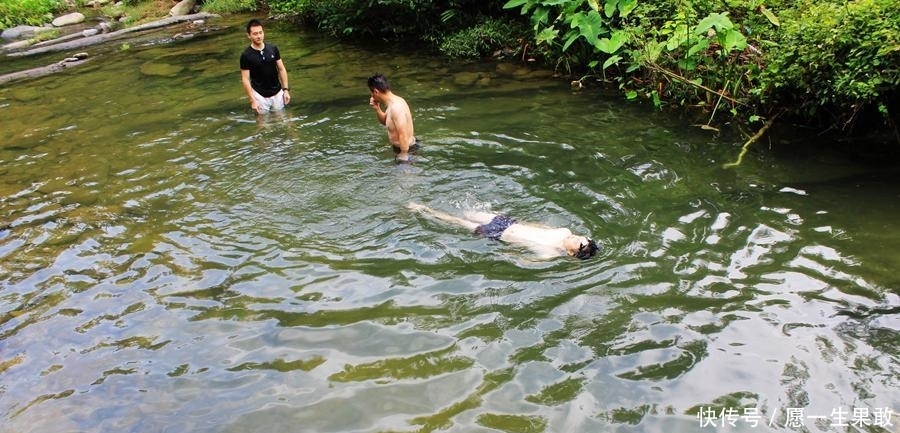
482 40
838 57
32 12
229 6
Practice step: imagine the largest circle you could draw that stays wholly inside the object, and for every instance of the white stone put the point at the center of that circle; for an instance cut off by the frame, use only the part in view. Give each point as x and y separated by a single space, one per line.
68 19
184 7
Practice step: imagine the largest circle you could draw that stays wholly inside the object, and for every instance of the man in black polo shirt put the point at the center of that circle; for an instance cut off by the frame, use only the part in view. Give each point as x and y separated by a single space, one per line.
262 72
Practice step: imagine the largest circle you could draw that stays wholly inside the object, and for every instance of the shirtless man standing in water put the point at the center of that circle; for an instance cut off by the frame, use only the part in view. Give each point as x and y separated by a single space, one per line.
396 116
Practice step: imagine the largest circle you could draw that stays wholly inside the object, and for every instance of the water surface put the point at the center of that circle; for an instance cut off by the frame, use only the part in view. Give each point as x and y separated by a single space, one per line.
172 264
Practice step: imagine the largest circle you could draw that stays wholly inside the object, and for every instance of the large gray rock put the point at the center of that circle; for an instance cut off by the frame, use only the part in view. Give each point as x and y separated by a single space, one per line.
68 19
22 32
184 7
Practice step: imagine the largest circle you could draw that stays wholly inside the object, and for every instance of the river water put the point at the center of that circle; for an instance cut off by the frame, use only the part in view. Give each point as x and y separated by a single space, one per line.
172 264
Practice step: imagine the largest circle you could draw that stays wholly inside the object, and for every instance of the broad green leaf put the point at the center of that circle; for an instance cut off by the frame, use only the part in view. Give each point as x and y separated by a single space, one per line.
514 3
654 50
571 37
700 46
611 61
548 35
540 16
588 25
594 5
631 94
688 64
673 43
717 20
613 43
626 6
734 40
771 16
609 7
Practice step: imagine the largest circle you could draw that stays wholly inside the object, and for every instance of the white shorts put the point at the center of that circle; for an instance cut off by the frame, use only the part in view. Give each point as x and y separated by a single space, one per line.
272 103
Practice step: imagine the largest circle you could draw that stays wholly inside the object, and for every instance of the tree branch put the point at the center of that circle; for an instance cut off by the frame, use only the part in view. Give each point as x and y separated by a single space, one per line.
689 82
750 141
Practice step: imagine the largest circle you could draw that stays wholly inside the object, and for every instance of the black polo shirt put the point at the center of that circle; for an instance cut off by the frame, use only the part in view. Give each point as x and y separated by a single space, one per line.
263 69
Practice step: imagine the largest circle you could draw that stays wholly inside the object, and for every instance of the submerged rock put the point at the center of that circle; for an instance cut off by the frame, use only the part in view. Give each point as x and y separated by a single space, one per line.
160 69
465 78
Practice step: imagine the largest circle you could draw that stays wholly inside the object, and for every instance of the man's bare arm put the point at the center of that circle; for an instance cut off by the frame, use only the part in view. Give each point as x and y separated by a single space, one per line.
245 80
441 216
381 115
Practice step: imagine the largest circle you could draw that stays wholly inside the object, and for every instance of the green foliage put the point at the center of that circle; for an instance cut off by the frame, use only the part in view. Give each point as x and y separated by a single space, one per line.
387 19
842 57
31 12
566 22
581 32
229 6
482 39
749 58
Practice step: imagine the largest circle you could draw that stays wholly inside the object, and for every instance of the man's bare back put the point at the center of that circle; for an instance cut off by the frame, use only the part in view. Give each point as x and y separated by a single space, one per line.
398 119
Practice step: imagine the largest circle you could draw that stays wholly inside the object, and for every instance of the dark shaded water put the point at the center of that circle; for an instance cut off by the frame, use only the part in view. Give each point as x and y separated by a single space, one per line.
173 265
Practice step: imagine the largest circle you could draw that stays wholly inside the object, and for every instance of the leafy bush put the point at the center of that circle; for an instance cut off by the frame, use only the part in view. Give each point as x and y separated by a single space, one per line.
229 6
362 18
482 39
32 12
843 57
422 20
586 26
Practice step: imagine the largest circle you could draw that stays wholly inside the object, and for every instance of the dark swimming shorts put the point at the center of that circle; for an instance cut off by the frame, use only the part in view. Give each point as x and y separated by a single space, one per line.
495 228
415 146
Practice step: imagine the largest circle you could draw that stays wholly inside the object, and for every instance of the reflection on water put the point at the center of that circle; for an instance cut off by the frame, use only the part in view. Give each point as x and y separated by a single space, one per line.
171 264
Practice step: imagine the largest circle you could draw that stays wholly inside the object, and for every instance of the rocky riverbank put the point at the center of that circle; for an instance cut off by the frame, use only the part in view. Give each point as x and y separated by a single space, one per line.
73 32
77 24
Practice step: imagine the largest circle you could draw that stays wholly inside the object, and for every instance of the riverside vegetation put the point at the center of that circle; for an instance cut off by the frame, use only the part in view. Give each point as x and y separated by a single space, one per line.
830 65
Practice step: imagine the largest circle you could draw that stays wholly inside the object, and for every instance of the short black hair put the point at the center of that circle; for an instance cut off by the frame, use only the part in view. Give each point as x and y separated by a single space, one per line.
253 23
586 251
380 82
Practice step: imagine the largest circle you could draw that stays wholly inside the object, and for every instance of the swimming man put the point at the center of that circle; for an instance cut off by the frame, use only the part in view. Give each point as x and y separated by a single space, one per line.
546 242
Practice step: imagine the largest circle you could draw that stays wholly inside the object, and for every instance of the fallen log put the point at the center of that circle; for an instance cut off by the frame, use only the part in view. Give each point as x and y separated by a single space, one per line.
104 37
67 63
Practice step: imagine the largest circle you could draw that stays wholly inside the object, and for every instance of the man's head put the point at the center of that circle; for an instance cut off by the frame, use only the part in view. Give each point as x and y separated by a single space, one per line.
253 23
255 32
586 250
580 247
379 82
